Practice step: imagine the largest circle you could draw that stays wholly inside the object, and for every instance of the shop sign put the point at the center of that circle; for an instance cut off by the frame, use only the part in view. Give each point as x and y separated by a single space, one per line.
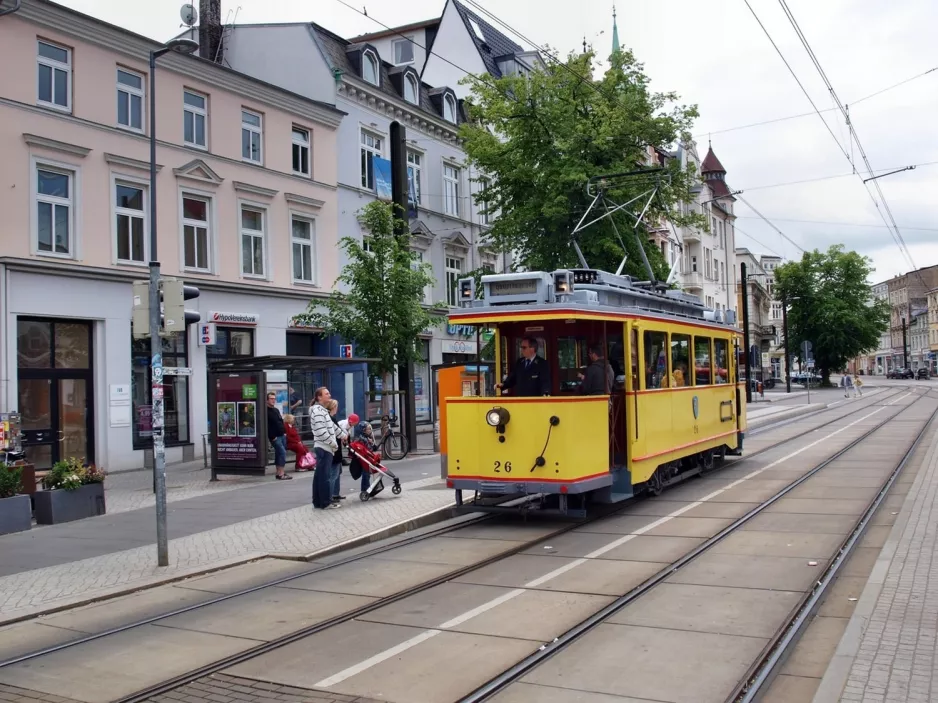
457 346
462 330
233 318
206 334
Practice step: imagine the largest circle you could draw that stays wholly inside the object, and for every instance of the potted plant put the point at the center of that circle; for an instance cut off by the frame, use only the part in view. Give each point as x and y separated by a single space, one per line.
72 490
16 512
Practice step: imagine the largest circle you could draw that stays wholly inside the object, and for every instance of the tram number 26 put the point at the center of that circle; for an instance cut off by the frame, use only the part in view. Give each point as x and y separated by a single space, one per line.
499 467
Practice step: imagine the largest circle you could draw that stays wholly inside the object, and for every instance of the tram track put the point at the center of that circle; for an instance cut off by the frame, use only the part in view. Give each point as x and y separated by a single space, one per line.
459 524
756 680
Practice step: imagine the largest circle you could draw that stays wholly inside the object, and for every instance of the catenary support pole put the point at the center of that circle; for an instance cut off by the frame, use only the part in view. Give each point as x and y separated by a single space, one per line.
156 350
399 197
745 296
905 348
787 348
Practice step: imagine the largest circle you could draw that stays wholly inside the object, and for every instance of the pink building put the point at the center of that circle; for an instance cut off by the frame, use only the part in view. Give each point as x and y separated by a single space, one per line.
246 211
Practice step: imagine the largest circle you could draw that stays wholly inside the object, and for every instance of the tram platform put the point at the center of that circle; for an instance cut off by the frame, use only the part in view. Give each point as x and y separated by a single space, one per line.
888 650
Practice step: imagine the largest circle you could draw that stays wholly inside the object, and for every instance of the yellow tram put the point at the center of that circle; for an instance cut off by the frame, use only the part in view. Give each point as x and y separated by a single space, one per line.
675 408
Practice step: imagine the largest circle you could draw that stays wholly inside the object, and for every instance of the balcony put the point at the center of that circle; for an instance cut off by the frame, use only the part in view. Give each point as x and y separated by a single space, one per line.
690 235
693 281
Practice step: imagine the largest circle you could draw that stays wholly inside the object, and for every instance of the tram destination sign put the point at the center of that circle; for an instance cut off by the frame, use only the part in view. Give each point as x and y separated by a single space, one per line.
517 288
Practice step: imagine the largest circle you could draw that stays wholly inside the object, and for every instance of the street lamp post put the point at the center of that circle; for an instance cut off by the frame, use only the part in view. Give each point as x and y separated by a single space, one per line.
785 302
183 46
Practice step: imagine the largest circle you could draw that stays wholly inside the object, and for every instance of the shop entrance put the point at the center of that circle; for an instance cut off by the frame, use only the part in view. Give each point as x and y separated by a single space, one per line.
55 389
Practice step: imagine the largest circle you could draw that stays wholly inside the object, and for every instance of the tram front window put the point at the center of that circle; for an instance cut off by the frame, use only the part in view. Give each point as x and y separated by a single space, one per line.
571 361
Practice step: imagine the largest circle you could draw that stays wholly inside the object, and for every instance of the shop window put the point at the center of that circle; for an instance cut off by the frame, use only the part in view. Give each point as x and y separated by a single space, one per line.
175 393
680 358
423 396
656 360
720 361
702 372
230 342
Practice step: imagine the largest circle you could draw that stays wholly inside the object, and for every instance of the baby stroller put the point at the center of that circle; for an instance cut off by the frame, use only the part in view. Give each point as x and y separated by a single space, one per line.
366 457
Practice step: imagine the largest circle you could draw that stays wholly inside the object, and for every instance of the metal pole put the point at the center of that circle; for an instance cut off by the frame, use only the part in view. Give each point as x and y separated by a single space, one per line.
787 350
745 296
156 348
905 351
400 193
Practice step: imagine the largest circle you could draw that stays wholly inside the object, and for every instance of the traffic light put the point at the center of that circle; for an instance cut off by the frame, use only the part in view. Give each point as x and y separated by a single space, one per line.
173 315
173 294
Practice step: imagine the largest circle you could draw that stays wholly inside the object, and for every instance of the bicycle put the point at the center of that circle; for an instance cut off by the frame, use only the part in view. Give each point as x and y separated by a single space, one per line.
393 443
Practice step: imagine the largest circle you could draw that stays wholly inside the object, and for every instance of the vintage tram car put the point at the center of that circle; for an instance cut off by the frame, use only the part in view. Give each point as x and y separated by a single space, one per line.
675 409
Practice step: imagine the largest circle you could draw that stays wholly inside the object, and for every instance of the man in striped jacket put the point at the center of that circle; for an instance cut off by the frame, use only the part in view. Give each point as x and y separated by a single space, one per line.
325 445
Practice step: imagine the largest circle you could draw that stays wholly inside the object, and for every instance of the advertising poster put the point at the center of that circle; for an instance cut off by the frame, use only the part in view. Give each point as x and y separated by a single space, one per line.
382 177
239 440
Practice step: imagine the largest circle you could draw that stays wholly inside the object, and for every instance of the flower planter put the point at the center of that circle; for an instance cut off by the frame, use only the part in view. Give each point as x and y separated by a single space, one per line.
59 505
16 514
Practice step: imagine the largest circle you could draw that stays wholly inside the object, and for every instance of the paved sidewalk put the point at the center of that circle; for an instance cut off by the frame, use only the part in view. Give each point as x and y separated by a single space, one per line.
889 653
60 565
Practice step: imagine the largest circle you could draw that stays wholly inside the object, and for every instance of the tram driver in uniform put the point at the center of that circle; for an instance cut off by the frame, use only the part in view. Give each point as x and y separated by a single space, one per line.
530 376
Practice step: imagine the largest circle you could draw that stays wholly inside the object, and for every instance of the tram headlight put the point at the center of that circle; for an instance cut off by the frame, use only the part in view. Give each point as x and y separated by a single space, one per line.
497 417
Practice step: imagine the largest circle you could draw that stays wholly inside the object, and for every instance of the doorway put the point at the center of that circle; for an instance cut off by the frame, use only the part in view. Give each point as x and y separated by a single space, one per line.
55 389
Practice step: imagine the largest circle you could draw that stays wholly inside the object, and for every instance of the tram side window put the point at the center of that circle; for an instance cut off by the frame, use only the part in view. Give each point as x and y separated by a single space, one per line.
702 373
720 361
656 360
571 361
680 360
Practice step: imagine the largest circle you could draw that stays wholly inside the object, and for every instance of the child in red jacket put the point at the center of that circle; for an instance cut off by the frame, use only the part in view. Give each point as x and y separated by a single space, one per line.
294 444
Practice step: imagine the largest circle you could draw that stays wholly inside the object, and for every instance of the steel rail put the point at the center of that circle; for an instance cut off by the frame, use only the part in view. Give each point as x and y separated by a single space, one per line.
457 523
790 421
761 674
519 670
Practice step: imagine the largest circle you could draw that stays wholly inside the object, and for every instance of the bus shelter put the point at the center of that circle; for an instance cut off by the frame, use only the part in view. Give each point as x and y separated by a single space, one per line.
237 401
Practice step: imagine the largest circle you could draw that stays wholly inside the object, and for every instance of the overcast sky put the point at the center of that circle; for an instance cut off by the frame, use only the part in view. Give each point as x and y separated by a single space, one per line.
714 54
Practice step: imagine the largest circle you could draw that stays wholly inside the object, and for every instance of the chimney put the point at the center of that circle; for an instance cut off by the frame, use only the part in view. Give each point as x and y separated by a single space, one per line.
210 30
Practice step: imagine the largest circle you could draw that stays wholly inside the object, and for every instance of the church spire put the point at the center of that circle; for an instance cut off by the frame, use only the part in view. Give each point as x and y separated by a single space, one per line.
615 32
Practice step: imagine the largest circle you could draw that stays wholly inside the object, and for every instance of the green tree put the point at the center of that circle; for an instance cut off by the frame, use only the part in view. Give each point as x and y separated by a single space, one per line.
831 306
382 312
538 139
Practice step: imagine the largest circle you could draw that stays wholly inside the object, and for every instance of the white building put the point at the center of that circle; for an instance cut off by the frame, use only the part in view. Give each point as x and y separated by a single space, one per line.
709 253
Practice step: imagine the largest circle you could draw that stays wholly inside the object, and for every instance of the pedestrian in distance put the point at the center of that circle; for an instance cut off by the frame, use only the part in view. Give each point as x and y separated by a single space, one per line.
857 385
530 375
325 445
277 436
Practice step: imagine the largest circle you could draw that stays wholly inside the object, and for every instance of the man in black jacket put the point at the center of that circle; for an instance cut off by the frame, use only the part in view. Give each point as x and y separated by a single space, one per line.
277 436
599 376
530 375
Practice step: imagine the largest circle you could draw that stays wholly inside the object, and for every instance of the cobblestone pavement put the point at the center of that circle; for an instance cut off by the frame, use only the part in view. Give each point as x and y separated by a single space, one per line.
298 531
896 658
12 694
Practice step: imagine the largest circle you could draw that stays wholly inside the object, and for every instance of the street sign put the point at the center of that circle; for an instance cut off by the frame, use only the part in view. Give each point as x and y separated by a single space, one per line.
345 351
177 371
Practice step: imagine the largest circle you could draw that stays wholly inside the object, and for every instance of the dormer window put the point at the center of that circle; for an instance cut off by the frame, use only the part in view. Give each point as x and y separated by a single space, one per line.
370 67
410 89
476 29
449 108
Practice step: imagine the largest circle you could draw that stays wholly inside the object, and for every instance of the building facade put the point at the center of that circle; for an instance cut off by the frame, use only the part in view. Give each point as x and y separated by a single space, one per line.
377 79
247 207
777 367
908 299
709 253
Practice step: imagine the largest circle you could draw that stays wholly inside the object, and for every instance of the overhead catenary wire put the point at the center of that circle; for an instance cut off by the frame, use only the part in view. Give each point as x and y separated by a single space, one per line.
809 114
894 232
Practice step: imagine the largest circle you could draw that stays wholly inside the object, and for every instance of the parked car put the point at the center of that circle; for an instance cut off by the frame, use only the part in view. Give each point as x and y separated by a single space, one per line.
901 373
922 374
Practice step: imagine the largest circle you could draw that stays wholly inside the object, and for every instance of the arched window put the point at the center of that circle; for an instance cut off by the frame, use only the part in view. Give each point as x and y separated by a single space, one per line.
370 67
449 108
410 89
